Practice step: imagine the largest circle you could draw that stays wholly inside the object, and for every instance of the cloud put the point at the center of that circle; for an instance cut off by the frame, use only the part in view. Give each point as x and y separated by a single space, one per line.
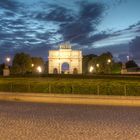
55 14
11 28
78 31
11 5
135 48
115 38
73 26
9 14
91 12
36 28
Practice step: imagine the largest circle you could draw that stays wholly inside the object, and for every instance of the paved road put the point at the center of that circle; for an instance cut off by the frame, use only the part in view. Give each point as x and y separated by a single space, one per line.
30 121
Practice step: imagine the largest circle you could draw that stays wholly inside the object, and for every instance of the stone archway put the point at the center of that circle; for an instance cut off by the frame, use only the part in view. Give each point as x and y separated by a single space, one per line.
65 68
55 71
64 54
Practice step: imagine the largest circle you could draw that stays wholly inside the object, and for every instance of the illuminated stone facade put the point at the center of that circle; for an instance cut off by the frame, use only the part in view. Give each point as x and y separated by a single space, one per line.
65 60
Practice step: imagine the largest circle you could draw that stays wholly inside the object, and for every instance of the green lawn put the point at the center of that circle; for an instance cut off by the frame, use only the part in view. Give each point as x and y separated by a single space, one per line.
107 85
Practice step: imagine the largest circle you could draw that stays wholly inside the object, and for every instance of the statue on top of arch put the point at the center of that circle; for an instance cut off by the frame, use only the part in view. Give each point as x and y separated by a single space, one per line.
65 45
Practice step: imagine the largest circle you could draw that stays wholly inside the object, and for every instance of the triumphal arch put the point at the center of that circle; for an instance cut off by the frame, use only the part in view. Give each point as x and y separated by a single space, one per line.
65 60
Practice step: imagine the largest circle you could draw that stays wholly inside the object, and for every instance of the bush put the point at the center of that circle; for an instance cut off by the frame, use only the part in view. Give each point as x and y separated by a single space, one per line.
5 87
20 87
39 87
94 86
133 90
111 90
60 88
84 89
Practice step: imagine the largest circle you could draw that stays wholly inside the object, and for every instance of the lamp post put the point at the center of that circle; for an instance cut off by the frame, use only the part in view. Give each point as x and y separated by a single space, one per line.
8 59
97 65
91 69
128 58
39 69
32 65
6 70
109 62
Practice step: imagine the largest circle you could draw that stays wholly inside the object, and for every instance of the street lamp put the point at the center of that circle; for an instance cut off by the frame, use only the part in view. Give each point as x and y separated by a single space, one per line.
39 69
128 58
91 69
32 65
97 65
109 61
8 59
6 70
109 66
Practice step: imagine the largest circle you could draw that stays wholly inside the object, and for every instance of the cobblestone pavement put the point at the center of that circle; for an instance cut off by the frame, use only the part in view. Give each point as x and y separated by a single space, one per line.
30 121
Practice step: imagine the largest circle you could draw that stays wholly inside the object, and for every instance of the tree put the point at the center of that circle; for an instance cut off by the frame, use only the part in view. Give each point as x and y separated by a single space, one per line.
131 64
21 63
105 61
85 62
1 68
116 67
46 67
99 64
37 61
92 63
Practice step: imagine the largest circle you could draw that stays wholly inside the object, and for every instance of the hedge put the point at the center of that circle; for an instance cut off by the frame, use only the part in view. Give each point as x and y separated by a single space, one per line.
72 88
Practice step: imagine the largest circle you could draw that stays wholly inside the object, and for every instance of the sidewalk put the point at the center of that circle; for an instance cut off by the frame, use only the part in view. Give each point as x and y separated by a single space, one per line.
71 99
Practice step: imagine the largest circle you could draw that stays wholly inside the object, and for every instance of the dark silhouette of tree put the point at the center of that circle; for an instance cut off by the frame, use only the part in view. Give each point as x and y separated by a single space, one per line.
116 67
1 68
85 62
105 66
131 64
103 63
37 61
21 63
46 67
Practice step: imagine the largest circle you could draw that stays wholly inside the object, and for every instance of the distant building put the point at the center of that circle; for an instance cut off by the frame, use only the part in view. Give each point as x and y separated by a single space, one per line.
65 60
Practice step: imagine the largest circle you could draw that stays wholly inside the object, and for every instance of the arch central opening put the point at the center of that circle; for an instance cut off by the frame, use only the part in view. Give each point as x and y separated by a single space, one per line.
65 68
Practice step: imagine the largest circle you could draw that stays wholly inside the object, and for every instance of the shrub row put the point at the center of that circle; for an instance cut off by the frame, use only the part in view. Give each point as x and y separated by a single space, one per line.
82 76
100 89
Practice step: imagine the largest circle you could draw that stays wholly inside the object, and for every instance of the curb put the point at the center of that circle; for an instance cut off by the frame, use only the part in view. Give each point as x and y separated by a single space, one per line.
71 99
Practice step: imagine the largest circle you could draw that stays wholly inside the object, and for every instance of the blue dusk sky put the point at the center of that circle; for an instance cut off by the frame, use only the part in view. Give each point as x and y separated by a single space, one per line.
93 26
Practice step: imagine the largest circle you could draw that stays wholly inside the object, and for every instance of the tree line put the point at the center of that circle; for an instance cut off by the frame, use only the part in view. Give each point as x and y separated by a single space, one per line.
25 64
104 64
100 64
